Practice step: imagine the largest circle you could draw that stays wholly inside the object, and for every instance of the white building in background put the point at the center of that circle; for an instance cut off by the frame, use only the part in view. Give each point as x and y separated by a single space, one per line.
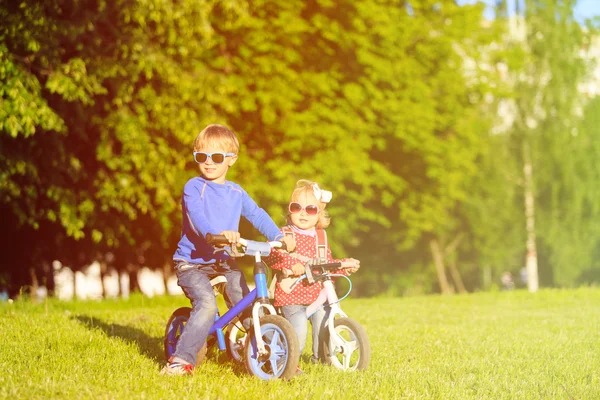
591 87
88 283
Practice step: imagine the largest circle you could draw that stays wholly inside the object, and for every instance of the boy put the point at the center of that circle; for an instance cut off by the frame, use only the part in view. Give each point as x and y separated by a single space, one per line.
211 204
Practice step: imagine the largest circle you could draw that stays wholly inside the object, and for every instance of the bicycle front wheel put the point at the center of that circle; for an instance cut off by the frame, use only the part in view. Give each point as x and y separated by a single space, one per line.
349 349
282 351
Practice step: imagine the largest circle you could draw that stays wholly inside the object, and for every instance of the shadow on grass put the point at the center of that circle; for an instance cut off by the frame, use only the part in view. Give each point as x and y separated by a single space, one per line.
222 358
150 347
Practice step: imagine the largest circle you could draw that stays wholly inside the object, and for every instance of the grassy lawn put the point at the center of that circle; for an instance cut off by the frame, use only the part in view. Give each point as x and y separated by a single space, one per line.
506 345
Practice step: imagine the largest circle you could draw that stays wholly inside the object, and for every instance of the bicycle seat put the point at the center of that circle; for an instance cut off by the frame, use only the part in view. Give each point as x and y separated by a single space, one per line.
218 284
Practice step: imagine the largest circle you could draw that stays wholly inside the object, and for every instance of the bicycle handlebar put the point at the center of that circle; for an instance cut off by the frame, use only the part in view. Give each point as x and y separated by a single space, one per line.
221 240
333 265
314 271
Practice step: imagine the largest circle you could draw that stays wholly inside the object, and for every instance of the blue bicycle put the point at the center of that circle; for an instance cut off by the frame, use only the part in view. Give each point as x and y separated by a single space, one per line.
270 350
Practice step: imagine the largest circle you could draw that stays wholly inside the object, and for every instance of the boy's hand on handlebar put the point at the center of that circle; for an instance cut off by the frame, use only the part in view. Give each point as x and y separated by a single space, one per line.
351 264
290 244
232 236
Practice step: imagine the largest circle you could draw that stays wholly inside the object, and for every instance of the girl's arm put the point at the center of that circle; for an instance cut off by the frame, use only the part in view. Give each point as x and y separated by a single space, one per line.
349 265
279 260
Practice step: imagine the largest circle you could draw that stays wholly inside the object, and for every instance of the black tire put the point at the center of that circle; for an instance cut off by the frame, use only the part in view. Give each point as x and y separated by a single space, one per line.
235 339
283 350
173 331
352 332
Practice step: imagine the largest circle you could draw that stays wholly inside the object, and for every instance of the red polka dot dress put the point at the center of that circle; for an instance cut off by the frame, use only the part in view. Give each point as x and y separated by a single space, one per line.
303 293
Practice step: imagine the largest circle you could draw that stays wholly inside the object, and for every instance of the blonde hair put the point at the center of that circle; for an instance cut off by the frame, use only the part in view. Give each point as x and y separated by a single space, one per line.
306 186
218 136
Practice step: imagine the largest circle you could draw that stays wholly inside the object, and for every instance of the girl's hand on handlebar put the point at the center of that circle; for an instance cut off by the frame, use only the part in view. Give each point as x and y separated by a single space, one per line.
290 244
298 269
351 265
232 236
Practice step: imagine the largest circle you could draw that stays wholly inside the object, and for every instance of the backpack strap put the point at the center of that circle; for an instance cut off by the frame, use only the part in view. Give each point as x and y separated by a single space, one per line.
288 231
321 243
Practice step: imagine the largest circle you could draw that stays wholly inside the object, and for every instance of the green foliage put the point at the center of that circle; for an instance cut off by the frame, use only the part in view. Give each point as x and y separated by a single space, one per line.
572 219
338 93
382 102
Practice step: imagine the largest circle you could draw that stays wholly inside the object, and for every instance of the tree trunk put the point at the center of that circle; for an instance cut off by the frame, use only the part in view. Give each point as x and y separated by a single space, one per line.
134 285
49 278
456 278
438 259
103 270
34 285
74 283
454 272
166 272
120 280
531 262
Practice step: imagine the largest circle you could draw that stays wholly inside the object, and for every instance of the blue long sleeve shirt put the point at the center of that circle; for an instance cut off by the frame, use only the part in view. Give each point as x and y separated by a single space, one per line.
209 207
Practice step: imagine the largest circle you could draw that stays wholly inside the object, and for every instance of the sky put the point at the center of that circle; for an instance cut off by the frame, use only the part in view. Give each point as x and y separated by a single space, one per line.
583 10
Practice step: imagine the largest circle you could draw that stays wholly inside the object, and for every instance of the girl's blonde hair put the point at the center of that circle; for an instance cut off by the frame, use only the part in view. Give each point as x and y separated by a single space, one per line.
218 136
306 186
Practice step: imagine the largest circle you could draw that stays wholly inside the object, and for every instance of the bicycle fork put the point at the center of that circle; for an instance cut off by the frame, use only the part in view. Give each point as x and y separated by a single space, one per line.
262 297
329 295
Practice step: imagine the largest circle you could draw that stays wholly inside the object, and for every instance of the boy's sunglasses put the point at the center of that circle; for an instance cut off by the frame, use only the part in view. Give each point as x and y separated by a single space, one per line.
217 158
310 209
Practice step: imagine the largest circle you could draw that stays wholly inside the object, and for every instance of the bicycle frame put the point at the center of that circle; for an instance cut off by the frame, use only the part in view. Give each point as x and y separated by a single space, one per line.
329 297
259 296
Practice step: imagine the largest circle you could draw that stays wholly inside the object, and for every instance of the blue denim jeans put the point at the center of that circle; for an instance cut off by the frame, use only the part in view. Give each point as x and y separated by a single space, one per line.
296 314
194 279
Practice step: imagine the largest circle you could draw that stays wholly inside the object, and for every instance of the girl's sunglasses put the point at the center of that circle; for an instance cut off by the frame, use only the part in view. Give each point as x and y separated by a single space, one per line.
216 158
310 209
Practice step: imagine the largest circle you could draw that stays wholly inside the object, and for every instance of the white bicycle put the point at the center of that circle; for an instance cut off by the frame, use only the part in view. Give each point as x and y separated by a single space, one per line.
344 342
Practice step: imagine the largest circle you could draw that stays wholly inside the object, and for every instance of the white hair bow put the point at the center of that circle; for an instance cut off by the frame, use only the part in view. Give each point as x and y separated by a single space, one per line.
322 195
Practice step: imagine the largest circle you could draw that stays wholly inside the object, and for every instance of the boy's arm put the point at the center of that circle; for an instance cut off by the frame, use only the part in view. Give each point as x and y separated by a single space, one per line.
260 219
194 209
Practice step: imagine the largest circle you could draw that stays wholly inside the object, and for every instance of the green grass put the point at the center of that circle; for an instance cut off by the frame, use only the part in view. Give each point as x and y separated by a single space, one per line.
504 345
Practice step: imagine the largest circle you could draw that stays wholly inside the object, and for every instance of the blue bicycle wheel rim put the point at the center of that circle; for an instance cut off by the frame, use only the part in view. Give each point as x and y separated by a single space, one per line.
275 339
175 331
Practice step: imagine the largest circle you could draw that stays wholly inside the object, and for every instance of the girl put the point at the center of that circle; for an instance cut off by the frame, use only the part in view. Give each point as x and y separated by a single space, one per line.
307 220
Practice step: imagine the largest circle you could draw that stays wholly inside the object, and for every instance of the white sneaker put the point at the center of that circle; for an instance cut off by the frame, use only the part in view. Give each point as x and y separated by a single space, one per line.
177 367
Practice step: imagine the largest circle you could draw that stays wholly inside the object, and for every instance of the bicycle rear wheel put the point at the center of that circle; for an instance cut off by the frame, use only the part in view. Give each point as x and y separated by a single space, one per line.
173 331
281 346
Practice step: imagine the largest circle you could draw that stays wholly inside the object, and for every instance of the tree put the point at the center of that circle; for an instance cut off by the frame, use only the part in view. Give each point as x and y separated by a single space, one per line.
370 99
545 69
86 89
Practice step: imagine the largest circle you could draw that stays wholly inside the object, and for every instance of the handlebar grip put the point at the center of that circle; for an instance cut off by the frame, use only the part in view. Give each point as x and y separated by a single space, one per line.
216 239
334 265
